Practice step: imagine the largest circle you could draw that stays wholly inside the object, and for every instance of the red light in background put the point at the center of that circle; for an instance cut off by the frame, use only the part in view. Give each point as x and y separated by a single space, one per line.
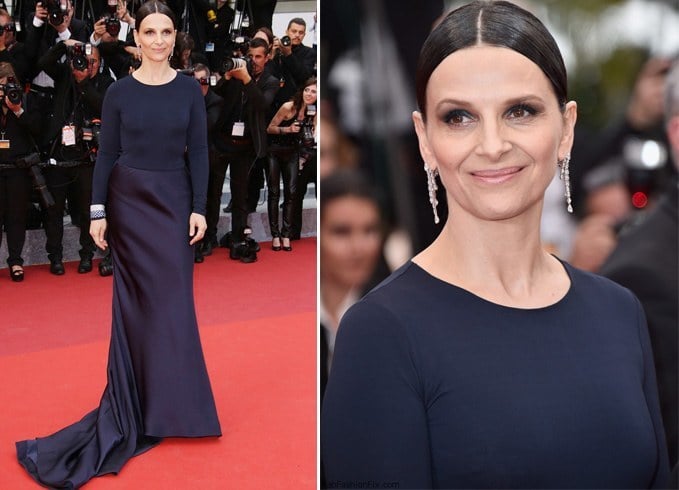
639 200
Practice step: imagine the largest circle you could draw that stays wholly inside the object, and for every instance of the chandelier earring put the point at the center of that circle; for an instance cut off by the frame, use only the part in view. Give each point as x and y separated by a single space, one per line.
432 187
565 176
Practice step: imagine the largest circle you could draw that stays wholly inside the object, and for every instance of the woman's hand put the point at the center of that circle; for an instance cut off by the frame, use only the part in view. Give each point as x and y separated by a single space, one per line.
197 227
97 232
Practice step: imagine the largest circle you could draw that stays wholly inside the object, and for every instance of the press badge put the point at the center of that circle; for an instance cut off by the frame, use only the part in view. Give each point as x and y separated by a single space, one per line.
68 135
209 47
238 129
4 144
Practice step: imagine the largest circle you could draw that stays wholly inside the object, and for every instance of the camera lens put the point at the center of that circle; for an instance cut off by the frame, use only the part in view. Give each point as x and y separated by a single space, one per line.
233 63
112 26
286 41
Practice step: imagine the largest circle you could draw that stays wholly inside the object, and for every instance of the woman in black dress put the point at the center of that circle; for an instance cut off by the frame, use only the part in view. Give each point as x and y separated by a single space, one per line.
287 156
149 193
486 362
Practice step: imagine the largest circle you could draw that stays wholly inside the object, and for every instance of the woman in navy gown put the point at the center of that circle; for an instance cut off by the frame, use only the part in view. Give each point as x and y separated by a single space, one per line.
486 362
149 193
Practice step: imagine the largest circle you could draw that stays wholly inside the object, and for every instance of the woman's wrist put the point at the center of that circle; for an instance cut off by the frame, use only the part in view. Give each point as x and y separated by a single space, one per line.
97 211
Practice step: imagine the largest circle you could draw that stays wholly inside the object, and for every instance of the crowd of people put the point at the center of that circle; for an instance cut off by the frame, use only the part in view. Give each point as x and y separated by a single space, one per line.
57 60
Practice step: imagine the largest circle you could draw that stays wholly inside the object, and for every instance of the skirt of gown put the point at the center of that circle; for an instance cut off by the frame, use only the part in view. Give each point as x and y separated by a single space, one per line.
157 382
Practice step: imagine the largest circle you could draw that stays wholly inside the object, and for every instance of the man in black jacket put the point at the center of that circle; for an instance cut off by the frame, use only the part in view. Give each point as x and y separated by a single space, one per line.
646 261
240 138
293 63
213 107
70 141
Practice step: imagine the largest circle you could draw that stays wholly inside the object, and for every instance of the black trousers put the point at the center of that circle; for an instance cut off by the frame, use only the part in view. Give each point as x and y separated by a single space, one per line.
306 176
238 162
59 180
15 193
285 165
256 182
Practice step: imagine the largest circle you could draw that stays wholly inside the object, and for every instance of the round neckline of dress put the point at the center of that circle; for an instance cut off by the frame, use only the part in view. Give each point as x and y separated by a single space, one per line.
150 85
466 292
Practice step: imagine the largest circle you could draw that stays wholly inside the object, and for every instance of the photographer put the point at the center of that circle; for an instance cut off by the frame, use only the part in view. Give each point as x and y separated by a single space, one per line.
58 14
213 106
240 138
291 139
72 132
293 63
17 128
217 34
12 51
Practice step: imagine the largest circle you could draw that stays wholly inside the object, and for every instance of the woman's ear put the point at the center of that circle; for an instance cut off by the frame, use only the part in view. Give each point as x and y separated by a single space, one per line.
570 116
423 140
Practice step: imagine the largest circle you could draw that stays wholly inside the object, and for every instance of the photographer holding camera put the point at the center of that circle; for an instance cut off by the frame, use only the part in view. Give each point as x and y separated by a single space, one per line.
72 132
293 63
58 14
291 139
213 106
240 138
12 51
17 128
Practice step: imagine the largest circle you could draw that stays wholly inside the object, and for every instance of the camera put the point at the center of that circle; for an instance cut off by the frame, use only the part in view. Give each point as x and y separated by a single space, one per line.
90 136
31 163
56 11
239 43
77 54
307 141
12 91
112 26
286 41
91 130
306 132
233 63
644 164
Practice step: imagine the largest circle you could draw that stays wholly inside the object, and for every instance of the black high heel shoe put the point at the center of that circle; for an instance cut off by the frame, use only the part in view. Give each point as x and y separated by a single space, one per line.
17 275
274 247
288 247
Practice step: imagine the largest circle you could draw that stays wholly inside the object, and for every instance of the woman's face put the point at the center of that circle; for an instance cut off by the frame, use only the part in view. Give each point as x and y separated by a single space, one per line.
156 36
309 94
494 131
350 243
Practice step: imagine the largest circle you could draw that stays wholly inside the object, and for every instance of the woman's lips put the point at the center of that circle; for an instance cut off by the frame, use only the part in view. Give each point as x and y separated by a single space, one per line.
496 176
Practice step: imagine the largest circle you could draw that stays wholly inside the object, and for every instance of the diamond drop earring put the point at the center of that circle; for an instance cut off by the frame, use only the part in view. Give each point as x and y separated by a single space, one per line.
432 187
566 177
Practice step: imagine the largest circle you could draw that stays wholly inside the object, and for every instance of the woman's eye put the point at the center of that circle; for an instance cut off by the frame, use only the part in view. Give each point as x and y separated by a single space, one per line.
457 117
521 111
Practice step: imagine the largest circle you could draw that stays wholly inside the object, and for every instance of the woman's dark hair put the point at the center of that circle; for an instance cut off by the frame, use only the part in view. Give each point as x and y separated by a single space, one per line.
493 23
267 32
154 7
345 183
298 98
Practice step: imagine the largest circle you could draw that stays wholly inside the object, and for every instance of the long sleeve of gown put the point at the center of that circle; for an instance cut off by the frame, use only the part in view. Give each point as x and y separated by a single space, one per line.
197 148
661 475
373 423
109 145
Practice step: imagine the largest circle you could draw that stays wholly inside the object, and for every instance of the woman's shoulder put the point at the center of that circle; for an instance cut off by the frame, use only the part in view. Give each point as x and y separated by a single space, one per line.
404 288
593 284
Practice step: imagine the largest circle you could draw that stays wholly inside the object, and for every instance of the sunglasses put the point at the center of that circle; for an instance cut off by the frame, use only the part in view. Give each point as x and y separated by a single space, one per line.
203 81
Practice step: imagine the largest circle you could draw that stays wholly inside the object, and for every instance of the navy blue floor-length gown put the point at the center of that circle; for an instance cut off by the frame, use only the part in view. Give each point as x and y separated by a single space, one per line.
157 381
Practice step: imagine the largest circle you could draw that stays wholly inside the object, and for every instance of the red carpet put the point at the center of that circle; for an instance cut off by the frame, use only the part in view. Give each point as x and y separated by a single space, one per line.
258 328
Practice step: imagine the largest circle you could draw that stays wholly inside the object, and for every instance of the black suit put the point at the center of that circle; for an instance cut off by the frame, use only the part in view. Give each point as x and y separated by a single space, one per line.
74 104
248 104
645 261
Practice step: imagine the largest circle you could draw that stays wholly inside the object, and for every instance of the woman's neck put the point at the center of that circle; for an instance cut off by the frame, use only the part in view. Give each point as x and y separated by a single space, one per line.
502 261
155 73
